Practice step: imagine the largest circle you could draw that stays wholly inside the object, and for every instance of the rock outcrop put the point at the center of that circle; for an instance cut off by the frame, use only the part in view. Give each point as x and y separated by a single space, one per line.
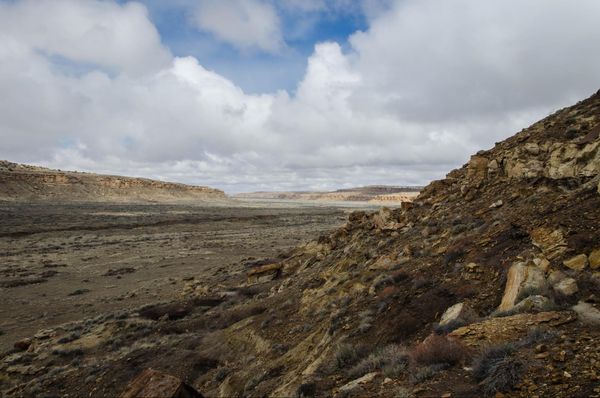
370 194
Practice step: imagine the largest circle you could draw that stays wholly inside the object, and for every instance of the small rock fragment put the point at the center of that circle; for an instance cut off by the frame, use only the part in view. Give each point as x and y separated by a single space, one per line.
566 287
459 311
542 263
577 263
594 259
555 277
356 383
587 313
496 204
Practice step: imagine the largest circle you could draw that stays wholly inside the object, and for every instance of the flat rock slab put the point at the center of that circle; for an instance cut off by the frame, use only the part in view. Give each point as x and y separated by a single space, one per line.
498 330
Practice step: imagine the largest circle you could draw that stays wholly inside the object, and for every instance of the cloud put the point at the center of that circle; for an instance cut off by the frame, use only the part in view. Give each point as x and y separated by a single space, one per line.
246 24
425 86
111 36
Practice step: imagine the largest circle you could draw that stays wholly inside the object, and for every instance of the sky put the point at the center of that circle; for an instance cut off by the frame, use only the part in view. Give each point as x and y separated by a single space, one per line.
248 95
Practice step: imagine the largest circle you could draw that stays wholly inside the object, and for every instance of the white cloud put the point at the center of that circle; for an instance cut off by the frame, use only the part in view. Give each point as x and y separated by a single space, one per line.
426 85
246 24
119 38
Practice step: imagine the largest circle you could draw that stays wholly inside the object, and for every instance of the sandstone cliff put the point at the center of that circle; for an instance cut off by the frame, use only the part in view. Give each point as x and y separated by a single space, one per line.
29 183
374 194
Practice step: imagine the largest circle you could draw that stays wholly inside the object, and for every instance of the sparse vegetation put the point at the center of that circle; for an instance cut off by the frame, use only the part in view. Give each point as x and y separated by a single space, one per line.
345 355
421 373
503 375
497 368
391 360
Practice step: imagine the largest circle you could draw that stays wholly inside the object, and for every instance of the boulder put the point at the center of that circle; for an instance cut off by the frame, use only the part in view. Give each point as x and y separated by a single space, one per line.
354 384
577 263
541 263
594 259
532 148
587 313
522 281
153 383
566 287
458 312
477 168
555 277
535 303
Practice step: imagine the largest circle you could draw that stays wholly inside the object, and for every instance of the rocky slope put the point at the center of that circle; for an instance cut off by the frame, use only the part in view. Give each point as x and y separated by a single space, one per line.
373 194
486 285
29 183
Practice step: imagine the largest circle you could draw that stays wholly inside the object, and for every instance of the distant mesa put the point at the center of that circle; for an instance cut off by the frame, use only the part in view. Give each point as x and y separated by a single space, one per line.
376 194
19 182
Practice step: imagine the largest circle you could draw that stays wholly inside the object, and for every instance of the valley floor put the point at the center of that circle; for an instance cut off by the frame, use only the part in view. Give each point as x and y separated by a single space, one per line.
66 262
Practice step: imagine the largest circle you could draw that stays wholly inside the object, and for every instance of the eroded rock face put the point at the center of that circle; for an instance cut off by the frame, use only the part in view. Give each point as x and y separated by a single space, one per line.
552 243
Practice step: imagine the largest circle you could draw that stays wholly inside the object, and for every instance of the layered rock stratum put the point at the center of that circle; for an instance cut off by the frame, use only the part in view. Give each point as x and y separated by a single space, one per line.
486 284
19 182
372 194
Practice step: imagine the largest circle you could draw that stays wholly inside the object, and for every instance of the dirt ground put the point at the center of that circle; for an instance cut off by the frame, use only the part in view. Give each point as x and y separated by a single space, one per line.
65 262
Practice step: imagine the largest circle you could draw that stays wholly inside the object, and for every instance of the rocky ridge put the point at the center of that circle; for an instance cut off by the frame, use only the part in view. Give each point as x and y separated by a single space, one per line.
20 182
487 284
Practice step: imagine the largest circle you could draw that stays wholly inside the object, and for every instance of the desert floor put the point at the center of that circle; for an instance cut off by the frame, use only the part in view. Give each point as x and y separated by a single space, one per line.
65 262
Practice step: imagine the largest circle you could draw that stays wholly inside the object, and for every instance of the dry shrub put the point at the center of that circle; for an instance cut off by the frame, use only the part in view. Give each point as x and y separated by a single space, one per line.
391 360
437 349
345 356
497 369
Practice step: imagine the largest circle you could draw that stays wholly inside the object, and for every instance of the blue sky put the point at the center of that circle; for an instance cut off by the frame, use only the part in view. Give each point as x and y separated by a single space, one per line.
254 70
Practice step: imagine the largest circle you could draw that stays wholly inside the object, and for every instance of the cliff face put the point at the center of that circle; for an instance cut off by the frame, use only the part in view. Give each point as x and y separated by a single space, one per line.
374 194
29 183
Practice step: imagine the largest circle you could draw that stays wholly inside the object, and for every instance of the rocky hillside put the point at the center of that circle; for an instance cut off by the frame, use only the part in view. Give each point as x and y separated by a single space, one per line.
487 284
373 194
29 183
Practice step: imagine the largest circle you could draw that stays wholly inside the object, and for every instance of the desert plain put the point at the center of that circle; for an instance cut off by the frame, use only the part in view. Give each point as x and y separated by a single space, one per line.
61 262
